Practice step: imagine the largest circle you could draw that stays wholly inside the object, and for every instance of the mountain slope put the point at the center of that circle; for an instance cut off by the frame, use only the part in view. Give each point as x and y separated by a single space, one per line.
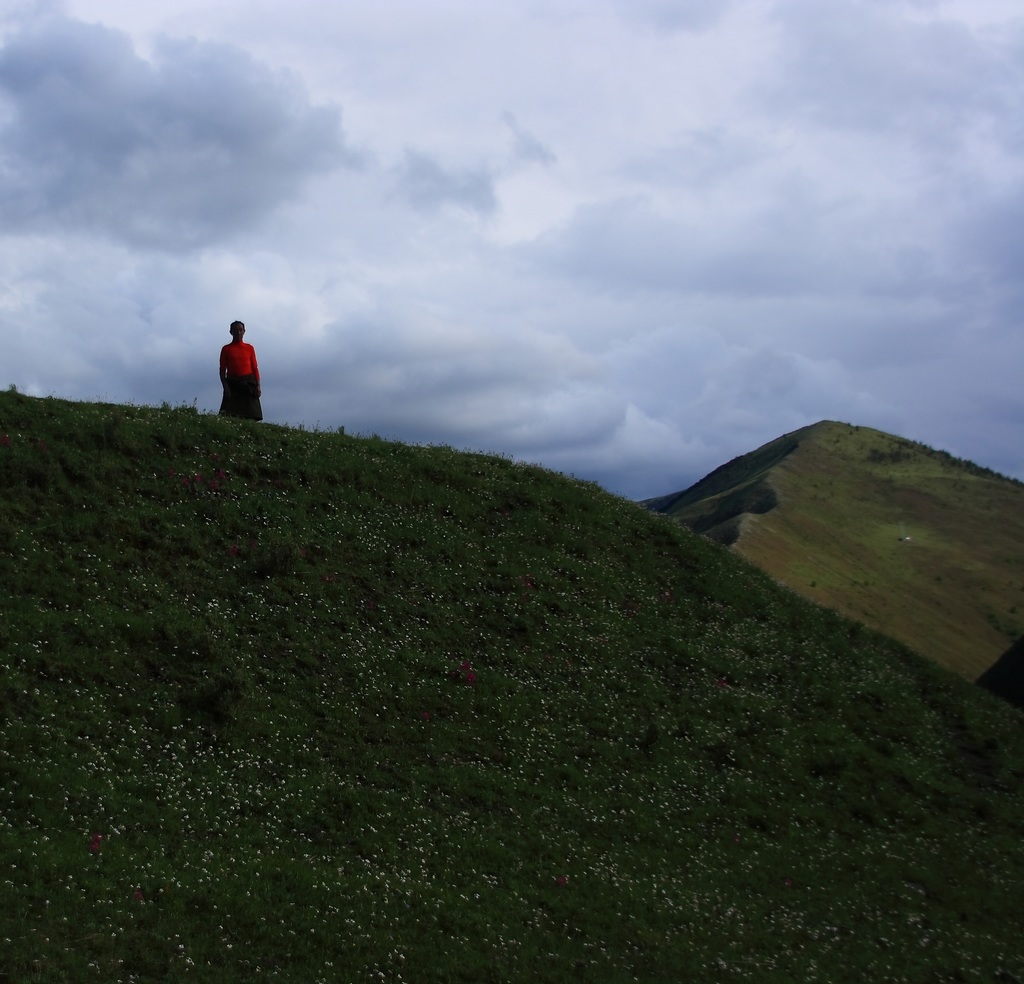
912 542
278 705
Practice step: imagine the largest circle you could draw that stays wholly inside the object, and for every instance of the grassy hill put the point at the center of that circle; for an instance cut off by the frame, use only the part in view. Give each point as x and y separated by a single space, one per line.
913 542
280 705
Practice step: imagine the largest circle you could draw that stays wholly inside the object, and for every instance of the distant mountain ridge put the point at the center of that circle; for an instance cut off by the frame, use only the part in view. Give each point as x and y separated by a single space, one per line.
914 542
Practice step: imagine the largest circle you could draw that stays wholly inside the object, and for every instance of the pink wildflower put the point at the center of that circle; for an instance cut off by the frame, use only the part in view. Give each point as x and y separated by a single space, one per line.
234 550
94 845
5 440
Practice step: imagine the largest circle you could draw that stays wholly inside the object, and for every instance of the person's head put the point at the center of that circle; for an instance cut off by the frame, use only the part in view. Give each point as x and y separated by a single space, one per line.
237 330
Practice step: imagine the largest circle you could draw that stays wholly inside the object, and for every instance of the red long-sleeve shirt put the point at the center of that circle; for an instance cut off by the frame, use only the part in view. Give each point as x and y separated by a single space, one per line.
238 359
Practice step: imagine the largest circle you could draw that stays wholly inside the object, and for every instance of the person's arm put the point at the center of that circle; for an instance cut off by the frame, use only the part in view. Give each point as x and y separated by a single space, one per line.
256 373
223 371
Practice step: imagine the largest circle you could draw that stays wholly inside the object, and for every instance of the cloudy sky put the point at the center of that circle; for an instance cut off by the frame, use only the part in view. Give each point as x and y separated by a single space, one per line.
626 239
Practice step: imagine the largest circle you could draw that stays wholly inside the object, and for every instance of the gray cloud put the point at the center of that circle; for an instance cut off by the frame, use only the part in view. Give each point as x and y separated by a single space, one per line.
172 154
866 66
427 185
525 146
991 240
408 373
675 15
698 159
795 244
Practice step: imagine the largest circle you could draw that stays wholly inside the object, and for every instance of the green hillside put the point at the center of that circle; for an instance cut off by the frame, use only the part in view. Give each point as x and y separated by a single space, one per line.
293 706
922 546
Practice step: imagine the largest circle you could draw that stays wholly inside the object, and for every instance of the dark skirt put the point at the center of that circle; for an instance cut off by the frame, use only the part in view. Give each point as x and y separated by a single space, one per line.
240 399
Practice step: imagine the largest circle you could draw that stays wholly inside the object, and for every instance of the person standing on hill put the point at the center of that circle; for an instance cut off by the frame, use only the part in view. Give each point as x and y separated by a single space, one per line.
240 377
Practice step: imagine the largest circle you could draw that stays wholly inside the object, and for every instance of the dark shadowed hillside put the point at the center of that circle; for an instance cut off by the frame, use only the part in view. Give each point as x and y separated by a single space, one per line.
1005 677
913 542
280 705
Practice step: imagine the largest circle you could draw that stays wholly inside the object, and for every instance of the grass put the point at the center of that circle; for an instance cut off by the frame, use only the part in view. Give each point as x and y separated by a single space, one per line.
281 705
919 545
